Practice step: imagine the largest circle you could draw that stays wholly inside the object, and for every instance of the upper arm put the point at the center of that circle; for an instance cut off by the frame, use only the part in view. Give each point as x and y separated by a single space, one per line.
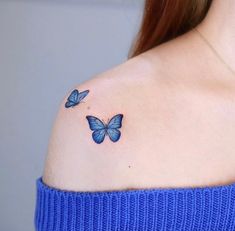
74 160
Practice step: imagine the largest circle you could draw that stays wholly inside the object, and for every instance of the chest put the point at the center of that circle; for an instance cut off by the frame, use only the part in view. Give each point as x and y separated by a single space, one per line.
181 141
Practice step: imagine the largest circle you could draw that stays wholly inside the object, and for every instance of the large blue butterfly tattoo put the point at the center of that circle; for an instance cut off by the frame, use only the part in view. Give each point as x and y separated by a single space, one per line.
75 98
100 129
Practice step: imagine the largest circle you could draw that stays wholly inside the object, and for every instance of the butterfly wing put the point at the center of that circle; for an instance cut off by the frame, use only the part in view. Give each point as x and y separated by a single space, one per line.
69 104
73 96
116 121
82 95
98 136
98 128
72 99
95 123
113 125
114 134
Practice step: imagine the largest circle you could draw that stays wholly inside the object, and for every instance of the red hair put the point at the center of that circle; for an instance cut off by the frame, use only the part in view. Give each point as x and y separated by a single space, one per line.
166 19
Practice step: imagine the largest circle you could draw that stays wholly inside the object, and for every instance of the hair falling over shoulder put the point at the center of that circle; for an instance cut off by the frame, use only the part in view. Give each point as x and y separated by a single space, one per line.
164 20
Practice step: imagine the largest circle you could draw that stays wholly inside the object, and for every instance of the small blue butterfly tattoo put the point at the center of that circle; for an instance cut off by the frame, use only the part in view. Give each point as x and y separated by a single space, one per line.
75 98
101 129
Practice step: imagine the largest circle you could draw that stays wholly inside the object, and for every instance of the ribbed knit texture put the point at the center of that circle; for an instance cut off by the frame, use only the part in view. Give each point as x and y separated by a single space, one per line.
201 208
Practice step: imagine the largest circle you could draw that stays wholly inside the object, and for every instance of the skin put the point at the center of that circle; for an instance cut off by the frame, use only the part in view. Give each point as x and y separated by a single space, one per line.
178 102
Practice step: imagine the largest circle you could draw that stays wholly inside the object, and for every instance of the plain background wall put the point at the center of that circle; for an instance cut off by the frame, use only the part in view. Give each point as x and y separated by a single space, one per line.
47 47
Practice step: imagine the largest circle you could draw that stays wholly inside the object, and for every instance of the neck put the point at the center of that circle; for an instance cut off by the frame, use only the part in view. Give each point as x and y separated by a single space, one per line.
219 29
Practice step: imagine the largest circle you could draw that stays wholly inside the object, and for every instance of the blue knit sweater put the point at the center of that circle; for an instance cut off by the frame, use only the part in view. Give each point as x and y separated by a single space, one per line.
198 208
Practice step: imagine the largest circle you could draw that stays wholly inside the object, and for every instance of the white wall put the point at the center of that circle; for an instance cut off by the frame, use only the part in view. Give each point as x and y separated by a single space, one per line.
46 47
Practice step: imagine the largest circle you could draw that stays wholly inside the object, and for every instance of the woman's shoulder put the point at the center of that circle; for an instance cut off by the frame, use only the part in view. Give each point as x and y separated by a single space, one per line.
134 116
109 104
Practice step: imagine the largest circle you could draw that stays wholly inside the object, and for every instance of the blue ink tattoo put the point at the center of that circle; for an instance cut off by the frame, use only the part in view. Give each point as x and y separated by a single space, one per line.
75 98
101 129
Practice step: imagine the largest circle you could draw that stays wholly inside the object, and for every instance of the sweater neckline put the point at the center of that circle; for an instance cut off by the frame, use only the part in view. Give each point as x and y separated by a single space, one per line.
44 186
188 208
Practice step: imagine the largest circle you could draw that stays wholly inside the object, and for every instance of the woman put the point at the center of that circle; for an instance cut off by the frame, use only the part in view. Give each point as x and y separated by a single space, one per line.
152 145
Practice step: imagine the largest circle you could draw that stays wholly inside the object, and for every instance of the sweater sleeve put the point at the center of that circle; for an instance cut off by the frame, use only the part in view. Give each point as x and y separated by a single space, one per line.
206 208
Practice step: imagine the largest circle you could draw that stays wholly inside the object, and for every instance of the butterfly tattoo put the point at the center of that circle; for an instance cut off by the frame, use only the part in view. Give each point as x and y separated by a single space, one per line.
100 129
75 98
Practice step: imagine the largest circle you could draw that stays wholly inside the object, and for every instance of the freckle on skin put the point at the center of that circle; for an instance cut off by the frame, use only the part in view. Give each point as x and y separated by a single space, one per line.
129 166
88 108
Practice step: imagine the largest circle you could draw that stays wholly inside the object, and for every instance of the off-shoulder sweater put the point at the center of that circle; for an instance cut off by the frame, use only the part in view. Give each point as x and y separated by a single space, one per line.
192 208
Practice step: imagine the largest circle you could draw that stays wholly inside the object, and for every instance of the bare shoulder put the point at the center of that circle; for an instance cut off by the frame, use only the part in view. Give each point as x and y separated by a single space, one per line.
90 134
142 115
